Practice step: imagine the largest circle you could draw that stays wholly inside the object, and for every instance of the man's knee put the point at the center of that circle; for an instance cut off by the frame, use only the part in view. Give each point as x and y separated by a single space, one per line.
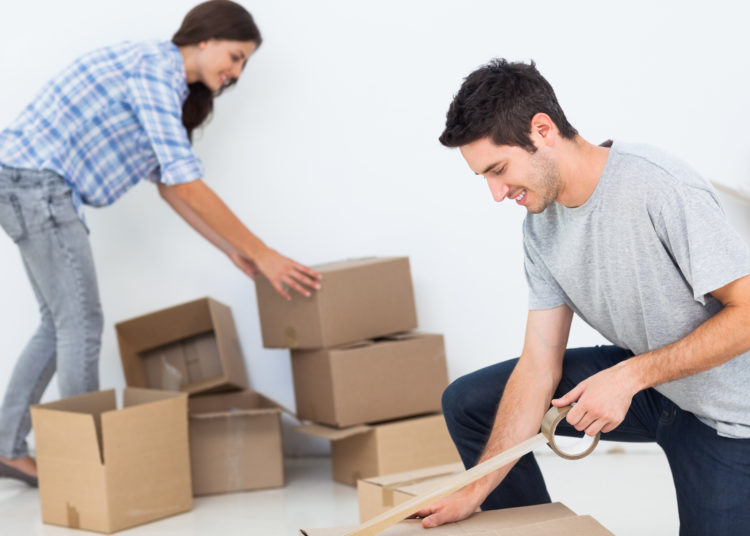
476 396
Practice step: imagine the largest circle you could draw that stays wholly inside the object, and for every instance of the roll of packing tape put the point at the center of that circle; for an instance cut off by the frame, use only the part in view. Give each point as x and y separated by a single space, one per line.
583 447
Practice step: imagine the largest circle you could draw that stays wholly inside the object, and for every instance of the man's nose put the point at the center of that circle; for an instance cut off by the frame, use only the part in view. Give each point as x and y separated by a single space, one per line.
498 190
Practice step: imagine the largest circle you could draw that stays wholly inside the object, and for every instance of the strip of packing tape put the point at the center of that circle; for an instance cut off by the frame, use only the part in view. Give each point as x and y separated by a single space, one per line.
580 448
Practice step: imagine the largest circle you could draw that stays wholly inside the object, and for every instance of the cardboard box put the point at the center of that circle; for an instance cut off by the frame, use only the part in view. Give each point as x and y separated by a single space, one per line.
381 493
191 347
235 442
553 519
371 450
370 381
105 469
359 299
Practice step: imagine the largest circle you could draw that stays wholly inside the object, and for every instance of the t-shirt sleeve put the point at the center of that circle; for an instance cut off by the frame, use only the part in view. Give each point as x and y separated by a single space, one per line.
707 249
544 292
157 105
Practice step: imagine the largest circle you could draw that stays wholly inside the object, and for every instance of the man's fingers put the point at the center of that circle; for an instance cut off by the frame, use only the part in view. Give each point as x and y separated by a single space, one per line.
569 397
432 521
594 428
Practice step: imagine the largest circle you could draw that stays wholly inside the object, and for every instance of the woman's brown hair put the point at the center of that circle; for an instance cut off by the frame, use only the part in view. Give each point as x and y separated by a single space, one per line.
215 19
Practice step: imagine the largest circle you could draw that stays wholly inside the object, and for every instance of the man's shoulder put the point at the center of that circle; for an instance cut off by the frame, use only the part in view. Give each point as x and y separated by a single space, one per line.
654 167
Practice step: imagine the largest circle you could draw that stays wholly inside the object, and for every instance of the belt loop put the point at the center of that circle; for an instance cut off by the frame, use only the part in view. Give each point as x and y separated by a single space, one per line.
15 174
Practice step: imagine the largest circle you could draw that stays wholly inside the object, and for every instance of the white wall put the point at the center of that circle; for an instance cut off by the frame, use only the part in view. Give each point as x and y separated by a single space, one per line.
328 149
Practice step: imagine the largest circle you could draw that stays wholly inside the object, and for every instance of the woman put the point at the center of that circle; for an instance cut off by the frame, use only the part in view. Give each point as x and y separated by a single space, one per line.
113 117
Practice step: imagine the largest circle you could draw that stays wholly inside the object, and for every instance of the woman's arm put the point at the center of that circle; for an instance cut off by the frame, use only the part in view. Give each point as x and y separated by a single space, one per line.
203 210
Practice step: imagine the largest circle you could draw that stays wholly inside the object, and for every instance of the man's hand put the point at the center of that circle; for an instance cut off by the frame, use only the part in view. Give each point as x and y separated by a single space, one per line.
602 400
454 507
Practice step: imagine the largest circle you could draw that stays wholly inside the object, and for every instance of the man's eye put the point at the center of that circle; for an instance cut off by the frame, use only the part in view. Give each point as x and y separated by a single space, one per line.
235 58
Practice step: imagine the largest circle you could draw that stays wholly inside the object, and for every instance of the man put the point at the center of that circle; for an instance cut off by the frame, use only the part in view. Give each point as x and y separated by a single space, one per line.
636 243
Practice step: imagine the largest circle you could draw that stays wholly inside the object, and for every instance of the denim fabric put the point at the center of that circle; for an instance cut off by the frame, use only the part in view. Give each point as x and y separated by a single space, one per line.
37 212
711 473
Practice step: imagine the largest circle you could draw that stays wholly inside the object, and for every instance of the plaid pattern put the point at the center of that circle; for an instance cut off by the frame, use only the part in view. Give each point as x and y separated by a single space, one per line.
110 119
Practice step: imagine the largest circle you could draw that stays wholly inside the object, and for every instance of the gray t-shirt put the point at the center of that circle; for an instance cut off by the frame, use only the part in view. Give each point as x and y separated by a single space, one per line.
637 262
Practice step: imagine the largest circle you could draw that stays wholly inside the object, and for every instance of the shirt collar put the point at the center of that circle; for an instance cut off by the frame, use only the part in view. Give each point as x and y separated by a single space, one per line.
175 56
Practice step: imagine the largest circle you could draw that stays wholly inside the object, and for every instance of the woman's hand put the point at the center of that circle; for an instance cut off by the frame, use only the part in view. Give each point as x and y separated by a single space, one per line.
282 272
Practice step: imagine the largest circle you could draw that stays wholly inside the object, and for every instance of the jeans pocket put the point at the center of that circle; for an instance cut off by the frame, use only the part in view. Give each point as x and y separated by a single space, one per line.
11 217
60 207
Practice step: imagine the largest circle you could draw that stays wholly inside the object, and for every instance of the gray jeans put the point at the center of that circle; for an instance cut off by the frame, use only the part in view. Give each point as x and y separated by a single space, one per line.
37 213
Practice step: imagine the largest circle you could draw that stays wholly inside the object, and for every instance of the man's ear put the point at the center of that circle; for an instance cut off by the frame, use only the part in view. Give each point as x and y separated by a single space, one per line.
543 129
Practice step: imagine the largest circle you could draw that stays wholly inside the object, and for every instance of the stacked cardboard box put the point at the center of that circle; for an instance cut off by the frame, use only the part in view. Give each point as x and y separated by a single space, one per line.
358 366
235 433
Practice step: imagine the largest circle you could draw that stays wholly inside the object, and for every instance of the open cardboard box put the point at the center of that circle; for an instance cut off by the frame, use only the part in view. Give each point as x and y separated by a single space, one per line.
552 519
106 469
191 347
369 450
359 299
381 493
370 381
235 442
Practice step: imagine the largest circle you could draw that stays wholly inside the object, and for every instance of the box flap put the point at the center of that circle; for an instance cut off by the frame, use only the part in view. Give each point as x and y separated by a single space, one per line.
133 396
247 401
411 477
124 430
66 435
166 325
71 428
555 518
333 434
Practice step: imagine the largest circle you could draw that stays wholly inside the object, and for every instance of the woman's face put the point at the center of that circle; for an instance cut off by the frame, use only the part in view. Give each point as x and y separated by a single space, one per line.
220 61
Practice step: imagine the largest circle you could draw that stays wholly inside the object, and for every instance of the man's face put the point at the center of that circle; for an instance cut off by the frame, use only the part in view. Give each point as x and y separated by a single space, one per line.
532 180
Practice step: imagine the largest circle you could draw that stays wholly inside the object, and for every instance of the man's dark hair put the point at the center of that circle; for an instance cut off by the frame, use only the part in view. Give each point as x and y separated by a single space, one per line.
498 100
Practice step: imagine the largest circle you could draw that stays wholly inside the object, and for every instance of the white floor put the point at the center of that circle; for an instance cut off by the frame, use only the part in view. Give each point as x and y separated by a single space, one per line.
630 494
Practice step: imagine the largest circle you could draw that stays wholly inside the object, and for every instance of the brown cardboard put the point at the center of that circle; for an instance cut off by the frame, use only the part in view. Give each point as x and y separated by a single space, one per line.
105 469
192 347
235 442
381 493
370 450
359 299
370 381
552 519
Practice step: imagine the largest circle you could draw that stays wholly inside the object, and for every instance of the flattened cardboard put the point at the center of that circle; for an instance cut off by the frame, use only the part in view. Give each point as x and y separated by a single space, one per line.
359 299
379 494
105 469
235 443
379 449
370 381
192 347
552 519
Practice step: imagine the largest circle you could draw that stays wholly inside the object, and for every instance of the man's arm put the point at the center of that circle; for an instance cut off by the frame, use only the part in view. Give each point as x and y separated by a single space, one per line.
200 207
604 398
525 399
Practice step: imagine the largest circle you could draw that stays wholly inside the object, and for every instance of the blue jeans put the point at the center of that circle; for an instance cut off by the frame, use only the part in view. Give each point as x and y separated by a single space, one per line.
711 473
37 213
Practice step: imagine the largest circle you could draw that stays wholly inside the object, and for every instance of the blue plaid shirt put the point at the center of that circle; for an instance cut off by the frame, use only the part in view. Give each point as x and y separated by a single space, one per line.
110 119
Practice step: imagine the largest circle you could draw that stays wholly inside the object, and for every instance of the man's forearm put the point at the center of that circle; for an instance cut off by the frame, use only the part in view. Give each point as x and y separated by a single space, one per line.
720 338
526 397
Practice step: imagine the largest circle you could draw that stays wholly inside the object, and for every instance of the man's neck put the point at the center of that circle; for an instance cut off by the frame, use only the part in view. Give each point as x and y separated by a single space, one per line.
581 167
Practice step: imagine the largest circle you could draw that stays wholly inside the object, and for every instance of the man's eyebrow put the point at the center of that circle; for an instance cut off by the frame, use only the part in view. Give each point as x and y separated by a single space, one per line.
489 168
